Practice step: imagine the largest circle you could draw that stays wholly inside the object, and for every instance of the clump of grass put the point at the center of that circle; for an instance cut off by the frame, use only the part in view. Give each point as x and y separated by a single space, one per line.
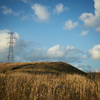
23 86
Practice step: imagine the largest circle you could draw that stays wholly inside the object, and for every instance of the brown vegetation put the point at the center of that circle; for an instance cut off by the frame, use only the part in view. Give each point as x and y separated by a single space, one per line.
40 68
17 84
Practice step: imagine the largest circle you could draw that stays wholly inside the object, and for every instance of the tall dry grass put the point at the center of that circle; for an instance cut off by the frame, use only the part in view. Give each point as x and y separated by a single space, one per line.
23 86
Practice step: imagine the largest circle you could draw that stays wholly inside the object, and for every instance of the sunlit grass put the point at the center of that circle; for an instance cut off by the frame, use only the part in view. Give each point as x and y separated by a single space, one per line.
24 86
46 81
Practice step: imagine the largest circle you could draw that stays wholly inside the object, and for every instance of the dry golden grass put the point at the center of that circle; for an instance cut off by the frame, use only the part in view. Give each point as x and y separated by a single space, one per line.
51 83
39 67
24 86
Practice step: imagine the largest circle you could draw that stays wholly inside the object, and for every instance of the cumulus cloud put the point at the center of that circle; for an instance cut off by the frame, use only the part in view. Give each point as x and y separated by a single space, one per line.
60 8
8 11
55 53
19 46
92 20
97 7
94 53
84 33
70 25
41 12
24 52
3 40
3 45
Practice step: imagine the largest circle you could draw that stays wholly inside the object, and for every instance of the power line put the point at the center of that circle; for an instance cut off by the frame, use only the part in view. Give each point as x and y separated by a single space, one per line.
5 23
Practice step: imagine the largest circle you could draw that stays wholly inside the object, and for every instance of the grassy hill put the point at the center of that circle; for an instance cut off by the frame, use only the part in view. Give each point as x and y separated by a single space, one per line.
40 68
46 81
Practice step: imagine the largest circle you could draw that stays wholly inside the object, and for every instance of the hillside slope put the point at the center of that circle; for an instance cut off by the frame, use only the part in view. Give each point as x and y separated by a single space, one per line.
40 68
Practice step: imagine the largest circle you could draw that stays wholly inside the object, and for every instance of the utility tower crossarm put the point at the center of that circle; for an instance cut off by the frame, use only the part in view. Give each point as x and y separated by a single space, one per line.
10 52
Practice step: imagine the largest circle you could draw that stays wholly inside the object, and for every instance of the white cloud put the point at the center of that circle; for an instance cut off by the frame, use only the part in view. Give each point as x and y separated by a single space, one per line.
25 17
4 31
19 46
80 67
8 11
24 52
15 14
97 7
76 65
94 53
3 45
70 25
55 53
92 20
29 17
58 51
25 1
84 33
41 12
60 8
98 29
3 40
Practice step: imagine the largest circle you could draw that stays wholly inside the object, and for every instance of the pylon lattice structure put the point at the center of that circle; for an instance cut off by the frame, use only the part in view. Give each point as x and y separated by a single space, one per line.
10 52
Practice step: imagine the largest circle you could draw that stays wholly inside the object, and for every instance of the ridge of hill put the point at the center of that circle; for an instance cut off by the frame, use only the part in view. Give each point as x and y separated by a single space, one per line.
40 68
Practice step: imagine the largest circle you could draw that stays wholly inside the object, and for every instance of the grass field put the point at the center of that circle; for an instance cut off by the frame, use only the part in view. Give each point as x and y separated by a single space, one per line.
18 84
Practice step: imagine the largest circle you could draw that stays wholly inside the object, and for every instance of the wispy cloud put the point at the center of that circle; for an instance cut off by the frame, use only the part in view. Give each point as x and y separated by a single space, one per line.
6 10
27 1
9 11
84 33
28 17
41 12
60 8
70 25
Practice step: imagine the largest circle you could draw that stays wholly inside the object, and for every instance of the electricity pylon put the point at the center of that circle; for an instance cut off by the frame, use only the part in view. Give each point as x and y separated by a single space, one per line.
10 52
89 68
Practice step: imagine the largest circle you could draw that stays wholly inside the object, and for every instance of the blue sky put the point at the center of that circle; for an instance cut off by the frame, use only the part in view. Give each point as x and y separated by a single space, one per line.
52 30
